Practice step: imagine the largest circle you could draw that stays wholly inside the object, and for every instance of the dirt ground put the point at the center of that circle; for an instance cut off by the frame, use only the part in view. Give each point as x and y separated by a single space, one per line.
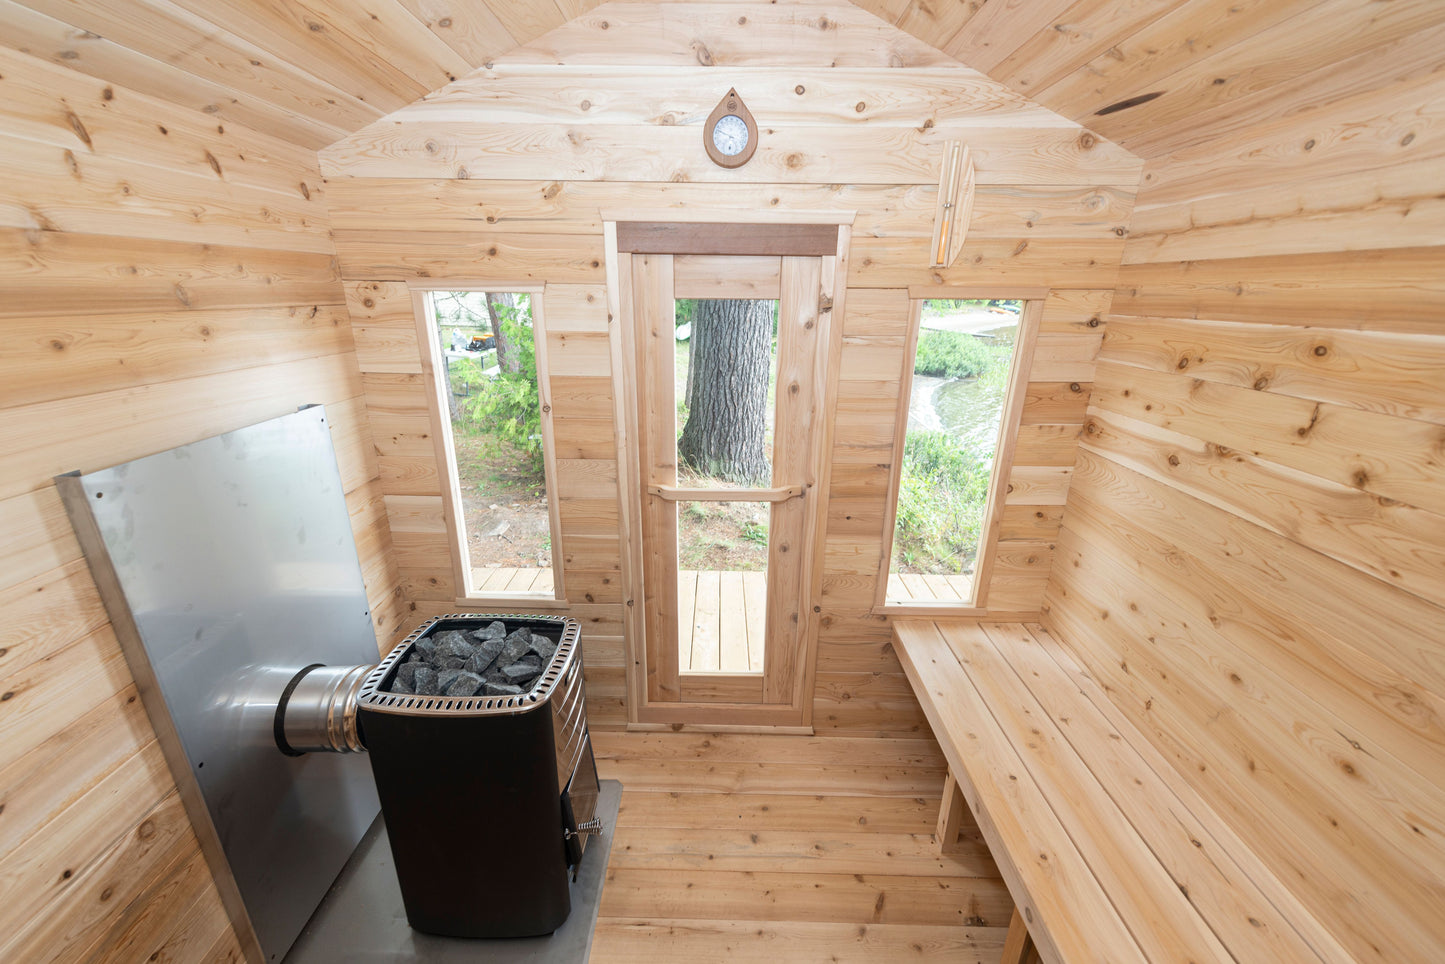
506 506
731 536
507 524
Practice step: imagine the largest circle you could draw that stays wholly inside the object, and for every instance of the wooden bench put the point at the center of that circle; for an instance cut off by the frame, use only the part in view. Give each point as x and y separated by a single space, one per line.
1109 855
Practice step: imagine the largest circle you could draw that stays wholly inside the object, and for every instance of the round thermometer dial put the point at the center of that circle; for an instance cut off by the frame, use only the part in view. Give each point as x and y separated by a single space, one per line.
730 135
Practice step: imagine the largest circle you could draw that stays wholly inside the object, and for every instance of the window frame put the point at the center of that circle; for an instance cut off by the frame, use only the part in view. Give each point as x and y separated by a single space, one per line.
1010 418
453 510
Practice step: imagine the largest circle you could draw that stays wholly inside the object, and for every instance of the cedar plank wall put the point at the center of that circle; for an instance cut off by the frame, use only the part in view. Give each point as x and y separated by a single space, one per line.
501 177
1251 557
167 277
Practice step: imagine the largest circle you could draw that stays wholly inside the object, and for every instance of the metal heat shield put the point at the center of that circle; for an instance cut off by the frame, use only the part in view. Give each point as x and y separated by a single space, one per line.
226 566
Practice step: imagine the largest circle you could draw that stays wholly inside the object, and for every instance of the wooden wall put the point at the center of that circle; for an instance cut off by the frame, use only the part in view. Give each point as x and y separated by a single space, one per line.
1253 551
166 277
501 177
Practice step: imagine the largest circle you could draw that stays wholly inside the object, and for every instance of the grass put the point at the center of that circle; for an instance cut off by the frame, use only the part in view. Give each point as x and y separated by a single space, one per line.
942 492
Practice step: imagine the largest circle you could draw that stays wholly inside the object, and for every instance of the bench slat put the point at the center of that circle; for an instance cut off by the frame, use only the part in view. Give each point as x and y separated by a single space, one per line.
1160 918
1260 891
1068 914
1194 865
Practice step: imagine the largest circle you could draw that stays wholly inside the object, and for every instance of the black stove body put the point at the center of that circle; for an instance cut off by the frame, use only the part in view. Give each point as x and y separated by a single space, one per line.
487 800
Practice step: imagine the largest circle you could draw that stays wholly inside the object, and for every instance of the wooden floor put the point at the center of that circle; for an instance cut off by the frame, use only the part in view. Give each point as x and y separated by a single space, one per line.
721 617
512 580
735 847
911 587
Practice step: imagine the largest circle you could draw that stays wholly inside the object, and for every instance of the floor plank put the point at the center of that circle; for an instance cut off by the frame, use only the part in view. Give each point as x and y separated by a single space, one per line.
742 847
630 940
821 813
897 854
839 898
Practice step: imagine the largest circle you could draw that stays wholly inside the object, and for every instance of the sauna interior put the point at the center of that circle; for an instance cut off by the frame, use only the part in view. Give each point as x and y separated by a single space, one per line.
1194 711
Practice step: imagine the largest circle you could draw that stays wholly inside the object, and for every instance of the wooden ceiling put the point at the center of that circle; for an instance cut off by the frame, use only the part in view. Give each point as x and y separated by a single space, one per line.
1156 76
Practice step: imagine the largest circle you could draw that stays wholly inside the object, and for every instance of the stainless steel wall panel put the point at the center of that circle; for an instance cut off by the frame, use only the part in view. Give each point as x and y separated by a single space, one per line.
227 566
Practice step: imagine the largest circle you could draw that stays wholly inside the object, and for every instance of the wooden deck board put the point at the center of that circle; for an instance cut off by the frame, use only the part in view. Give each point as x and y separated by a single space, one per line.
722 617
705 618
513 579
755 599
686 600
908 587
732 621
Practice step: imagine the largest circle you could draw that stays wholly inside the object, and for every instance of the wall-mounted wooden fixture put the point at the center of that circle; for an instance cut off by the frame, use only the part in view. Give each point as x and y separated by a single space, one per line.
955 204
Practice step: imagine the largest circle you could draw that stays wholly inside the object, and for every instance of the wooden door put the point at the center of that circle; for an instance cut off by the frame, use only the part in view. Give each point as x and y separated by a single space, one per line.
772 693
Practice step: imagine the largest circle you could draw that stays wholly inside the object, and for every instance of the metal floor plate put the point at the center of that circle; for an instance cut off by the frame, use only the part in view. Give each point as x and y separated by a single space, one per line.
362 918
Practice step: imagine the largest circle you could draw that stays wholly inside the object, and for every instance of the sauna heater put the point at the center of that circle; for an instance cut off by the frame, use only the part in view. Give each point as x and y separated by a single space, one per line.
488 800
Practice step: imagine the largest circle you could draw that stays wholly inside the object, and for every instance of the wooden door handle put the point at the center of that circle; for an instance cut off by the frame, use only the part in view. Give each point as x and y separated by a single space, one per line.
673 493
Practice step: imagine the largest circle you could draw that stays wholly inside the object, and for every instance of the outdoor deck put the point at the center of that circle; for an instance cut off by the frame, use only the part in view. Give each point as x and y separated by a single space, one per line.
721 618
904 587
502 579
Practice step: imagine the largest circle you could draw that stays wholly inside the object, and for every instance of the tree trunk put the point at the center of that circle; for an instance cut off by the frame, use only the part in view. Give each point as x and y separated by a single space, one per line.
507 359
728 391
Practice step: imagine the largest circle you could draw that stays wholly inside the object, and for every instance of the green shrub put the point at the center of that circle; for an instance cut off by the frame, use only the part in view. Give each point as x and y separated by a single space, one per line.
507 405
952 354
942 492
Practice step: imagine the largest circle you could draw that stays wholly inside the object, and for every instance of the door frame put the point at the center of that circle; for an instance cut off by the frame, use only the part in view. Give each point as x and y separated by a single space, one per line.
752 243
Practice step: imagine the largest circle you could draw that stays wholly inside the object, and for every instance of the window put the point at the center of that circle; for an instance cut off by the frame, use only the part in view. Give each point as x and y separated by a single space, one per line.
495 440
962 390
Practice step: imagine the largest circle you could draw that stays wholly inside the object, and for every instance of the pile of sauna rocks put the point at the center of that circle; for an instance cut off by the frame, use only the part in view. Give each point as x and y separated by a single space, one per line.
486 662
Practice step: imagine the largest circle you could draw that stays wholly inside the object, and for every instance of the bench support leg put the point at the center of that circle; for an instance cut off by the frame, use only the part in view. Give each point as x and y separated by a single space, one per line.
950 816
1018 948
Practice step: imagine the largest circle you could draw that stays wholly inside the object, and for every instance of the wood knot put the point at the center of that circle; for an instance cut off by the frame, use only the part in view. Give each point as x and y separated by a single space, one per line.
78 128
1321 351
800 90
